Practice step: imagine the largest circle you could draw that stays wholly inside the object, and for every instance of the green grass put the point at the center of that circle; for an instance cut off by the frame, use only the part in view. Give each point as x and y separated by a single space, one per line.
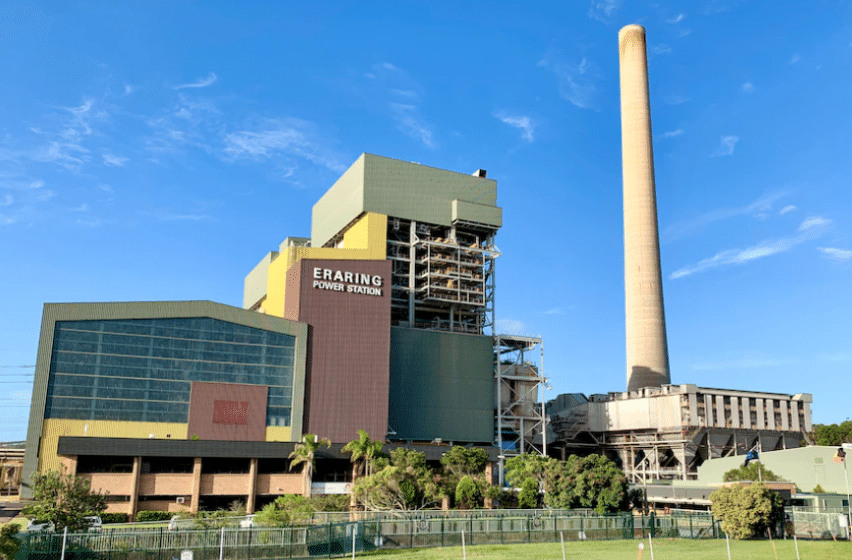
664 549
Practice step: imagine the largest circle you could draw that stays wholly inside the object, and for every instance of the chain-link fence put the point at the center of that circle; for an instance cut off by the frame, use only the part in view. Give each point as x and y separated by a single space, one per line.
820 525
433 529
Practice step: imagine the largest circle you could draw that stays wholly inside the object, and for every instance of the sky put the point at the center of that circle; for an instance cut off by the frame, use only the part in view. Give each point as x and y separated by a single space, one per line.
158 150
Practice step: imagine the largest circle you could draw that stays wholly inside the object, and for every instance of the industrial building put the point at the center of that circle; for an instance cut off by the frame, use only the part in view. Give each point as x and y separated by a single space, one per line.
655 430
382 320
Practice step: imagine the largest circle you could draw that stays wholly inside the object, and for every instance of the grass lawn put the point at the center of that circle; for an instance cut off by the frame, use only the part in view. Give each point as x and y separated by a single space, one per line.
664 549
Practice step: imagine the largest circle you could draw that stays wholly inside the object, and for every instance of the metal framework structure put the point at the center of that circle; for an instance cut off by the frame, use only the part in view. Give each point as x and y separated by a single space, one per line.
443 276
520 403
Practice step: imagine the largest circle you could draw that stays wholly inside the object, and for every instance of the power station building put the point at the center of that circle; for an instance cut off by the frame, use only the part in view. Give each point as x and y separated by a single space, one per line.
382 320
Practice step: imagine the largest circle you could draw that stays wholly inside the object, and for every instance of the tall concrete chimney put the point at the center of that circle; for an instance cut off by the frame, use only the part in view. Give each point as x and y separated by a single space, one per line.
647 351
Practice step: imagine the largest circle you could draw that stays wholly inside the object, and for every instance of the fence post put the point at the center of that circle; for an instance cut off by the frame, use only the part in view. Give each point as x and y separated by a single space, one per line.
653 525
328 547
248 552
691 533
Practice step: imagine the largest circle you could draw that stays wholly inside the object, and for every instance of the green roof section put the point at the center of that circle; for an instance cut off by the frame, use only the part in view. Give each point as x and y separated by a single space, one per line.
55 312
404 190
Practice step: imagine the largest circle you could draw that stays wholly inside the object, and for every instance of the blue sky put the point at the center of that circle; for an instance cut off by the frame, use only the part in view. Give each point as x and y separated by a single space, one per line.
158 150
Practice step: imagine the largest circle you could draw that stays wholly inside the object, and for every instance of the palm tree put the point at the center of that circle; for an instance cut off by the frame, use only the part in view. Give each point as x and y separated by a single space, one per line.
304 453
363 451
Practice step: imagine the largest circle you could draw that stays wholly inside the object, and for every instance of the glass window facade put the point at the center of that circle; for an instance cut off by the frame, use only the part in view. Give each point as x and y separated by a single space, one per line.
141 369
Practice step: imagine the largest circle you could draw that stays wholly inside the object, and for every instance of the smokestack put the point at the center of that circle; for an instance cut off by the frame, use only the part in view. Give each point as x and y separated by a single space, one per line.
647 351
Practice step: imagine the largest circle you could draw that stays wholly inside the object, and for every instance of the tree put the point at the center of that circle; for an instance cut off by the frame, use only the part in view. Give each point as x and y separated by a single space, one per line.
462 461
303 454
289 509
404 483
818 489
833 434
600 484
363 452
746 510
528 497
527 465
64 499
754 471
467 493
9 544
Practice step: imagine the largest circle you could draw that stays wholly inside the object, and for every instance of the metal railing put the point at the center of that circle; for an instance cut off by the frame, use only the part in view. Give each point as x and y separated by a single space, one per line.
435 529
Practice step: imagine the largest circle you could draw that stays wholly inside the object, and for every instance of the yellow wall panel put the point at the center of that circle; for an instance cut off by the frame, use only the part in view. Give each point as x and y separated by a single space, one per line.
278 433
54 428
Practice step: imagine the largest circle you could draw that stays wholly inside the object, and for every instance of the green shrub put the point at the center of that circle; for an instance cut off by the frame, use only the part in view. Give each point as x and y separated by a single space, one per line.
746 511
467 493
528 498
154 516
114 517
8 543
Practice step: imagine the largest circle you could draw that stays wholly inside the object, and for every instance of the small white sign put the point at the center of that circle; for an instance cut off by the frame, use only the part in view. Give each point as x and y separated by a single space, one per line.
847 446
186 555
842 520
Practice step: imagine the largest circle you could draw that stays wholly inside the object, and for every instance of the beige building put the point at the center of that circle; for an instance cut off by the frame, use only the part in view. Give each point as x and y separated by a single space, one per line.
667 432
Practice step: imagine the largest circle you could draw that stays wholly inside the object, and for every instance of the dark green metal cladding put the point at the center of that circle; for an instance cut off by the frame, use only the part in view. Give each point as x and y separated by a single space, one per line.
441 385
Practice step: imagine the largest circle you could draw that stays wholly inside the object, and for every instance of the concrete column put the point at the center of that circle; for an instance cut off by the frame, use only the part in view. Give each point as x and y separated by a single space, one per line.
252 486
708 410
69 464
808 426
134 487
647 351
693 410
794 415
785 418
720 411
770 415
735 412
196 485
746 406
758 408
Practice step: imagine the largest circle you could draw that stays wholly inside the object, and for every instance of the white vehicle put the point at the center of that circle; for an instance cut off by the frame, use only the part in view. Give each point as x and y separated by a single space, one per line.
94 523
37 525
178 522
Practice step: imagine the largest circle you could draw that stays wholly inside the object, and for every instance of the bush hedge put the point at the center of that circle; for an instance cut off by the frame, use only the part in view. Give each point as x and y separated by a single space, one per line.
114 518
154 516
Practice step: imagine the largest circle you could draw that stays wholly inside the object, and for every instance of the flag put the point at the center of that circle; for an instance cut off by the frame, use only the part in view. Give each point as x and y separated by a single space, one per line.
751 456
840 456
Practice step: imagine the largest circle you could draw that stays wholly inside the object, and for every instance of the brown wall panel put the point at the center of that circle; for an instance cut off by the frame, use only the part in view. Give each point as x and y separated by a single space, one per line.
347 306
227 411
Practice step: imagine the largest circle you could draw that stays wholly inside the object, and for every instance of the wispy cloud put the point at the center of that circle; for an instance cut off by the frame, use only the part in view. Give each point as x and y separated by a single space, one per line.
758 251
835 253
523 123
578 82
89 223
275 138
813 222
662 49
726 146
111 160
672 133
128 89
200 83
795 58
410 122
748 87
603 10
7 200
786 209
677 19
759 208
557 310
82 208
675 99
